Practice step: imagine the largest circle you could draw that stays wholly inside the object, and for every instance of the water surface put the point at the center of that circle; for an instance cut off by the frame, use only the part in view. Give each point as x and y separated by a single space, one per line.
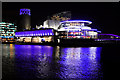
46 62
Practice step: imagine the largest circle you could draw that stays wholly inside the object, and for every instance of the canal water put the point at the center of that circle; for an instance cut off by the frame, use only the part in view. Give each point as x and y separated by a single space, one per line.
26 62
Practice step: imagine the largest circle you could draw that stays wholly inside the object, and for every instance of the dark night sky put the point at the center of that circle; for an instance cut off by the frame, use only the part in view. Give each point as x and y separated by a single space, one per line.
103 15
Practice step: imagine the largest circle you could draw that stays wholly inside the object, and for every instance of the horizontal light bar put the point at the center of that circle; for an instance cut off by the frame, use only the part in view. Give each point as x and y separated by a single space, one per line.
109 35
35 33
2 23
7 36
78 21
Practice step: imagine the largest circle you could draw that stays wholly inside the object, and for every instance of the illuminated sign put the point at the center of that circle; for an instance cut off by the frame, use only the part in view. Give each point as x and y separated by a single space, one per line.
76 24
25 11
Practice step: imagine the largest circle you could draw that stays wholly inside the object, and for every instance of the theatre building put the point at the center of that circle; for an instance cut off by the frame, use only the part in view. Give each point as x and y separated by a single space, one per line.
77 29
67 30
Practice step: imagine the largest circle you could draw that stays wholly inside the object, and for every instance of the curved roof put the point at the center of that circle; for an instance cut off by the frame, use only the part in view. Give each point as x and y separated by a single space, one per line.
34 33
84 21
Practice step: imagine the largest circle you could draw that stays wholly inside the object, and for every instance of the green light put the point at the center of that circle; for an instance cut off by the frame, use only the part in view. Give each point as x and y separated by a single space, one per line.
2 22
11 28
11 24
2 25
10 32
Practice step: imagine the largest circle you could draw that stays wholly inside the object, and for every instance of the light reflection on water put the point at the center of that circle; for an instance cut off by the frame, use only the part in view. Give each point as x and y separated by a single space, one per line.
80 62
36 61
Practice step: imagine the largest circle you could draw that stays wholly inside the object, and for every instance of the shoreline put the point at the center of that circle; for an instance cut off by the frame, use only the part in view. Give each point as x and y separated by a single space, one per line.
70 44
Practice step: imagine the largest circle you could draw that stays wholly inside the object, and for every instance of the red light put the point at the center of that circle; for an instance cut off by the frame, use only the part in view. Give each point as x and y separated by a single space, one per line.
74 36
83 36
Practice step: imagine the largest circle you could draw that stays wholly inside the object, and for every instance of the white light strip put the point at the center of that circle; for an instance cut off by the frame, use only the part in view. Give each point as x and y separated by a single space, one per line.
77 21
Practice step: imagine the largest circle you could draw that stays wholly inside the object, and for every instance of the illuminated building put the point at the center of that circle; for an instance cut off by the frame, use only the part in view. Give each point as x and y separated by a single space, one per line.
65 30
51 24
55 20
69 31
24 20
77 29
37 36
7 31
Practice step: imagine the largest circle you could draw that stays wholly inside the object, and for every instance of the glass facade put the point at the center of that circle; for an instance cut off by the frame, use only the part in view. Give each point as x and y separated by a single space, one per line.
7 31
77 29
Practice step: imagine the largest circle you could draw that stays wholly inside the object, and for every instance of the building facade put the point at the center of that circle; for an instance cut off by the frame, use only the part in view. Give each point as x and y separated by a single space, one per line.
7 31
70 29
51 24
24 22
77 29
36 36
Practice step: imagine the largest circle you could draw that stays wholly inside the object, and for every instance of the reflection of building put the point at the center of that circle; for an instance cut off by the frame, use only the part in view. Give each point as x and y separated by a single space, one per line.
77 29
24 20
12 51
84 61
7 31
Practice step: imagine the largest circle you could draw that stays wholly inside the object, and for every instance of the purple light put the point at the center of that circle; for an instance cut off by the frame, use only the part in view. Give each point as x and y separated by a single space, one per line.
34 33
25 11
94 29
79 62
107 39
77 21
110 35
99 31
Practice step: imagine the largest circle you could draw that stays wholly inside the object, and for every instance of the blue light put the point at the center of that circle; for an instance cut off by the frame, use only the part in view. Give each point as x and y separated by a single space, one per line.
77 21
74 63
83 61
34 33
7 36
99 31
35 52
25 11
